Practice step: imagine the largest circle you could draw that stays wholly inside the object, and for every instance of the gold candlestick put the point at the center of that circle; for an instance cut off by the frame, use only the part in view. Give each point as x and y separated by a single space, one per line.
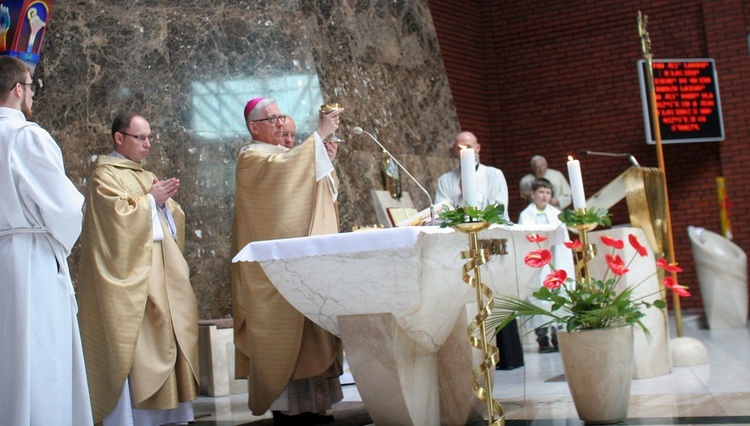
585 253
490 354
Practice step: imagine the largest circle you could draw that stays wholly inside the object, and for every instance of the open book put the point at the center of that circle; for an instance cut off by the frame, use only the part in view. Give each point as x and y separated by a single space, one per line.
423 217
399 214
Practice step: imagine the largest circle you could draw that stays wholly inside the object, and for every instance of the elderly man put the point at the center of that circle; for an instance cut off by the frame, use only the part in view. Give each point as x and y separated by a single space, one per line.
42 375
561 192
292 364
289 136
491 185
139 316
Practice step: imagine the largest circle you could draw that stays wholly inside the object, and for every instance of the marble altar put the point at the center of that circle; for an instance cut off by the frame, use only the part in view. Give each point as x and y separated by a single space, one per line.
396 298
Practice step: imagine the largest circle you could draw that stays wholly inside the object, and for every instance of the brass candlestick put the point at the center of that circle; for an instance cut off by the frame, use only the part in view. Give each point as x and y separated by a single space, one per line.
585 253
490 354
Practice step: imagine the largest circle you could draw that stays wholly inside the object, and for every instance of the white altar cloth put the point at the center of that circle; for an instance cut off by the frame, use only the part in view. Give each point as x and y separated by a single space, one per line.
413 273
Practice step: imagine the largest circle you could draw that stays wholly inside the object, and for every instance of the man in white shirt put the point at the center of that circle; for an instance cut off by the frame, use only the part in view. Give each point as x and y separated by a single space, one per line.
491 189
491 185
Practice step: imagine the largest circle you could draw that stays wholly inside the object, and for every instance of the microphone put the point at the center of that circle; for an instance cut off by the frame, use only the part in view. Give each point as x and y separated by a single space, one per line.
358 131
632 159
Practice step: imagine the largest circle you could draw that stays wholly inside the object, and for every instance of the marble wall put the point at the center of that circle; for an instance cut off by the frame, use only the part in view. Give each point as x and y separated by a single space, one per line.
189 66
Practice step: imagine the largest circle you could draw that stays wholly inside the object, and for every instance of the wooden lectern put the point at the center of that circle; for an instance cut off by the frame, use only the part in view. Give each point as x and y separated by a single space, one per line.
643 189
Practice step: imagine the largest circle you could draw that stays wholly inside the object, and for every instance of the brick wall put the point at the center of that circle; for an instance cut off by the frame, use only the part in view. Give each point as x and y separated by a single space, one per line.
554 78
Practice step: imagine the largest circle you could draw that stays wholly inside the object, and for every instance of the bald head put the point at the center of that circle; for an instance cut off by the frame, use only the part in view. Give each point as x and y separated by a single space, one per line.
290 132
465 140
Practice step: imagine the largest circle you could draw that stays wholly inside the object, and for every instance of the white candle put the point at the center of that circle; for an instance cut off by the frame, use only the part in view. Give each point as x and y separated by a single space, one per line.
576 183
469 177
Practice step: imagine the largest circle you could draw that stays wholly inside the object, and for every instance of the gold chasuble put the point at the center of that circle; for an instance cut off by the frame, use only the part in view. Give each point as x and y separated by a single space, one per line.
278 197
137 311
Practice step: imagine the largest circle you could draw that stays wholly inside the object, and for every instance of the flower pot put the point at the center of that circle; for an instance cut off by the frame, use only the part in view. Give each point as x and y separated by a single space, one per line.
599 369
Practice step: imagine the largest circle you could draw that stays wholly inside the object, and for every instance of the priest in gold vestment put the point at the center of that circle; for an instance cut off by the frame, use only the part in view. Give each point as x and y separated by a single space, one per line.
292 364
137 310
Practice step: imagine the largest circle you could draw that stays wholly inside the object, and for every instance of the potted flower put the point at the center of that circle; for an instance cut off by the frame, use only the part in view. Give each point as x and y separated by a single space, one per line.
595 317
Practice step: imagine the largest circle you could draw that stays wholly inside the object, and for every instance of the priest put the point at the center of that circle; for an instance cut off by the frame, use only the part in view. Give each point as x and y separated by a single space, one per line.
138 312
292 364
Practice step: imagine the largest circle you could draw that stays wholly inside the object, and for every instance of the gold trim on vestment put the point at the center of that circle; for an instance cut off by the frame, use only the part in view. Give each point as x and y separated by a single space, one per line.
277 196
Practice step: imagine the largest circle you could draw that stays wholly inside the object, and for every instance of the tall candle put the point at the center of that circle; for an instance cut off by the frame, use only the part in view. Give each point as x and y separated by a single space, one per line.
469 177
576 183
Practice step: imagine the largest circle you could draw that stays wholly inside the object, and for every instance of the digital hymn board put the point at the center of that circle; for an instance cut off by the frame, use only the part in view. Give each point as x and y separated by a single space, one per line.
687 97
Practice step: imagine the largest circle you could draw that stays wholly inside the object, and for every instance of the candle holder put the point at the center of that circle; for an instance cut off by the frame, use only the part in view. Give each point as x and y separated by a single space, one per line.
582 221
585 253
477 330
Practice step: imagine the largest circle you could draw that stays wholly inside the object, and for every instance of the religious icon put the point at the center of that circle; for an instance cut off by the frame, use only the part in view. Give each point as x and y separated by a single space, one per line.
4 26
391 177
22 27
35 23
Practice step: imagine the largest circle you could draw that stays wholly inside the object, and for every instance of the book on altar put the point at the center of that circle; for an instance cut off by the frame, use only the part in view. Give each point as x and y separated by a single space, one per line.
399 214
423 217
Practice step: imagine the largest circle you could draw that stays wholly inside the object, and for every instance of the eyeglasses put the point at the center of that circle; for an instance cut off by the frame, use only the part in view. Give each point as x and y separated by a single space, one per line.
139 138
32 87
273 119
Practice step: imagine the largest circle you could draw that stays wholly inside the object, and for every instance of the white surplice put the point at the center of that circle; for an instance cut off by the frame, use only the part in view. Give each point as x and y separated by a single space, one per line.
491 188
42 374
562 257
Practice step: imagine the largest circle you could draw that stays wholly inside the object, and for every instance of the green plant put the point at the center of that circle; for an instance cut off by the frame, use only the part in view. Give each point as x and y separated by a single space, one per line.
573 218
491 214
585 305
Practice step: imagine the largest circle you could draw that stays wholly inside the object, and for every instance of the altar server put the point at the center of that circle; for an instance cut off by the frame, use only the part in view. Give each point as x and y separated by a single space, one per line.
42 374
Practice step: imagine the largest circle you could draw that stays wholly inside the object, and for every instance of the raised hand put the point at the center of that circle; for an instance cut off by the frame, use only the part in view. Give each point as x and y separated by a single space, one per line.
164 190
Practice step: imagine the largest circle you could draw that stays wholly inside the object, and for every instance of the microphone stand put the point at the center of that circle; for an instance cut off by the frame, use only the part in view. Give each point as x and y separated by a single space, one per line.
359 131
632 159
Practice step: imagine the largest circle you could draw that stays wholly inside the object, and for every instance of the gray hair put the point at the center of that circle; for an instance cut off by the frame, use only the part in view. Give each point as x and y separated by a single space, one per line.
257 112
535 158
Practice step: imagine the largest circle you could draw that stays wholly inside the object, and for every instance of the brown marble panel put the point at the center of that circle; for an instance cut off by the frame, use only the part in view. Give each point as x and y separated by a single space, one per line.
380 59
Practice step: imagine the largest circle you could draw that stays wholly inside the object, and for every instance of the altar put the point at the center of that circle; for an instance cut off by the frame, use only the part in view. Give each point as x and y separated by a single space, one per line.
397 300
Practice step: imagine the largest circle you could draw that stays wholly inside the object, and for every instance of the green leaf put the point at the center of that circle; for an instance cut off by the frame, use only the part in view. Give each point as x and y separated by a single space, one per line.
574 218
491 214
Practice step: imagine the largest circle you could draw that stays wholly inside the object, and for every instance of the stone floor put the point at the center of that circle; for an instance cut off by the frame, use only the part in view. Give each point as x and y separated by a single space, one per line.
717 393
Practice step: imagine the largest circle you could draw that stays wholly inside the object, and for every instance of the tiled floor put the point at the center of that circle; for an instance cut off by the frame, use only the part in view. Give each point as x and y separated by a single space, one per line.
717 393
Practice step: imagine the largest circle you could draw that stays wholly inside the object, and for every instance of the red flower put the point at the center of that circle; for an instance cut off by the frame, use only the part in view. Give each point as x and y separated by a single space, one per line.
538 258
556 279
536 238
672 284
662 263
573 244
618 244
615 263
637 245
